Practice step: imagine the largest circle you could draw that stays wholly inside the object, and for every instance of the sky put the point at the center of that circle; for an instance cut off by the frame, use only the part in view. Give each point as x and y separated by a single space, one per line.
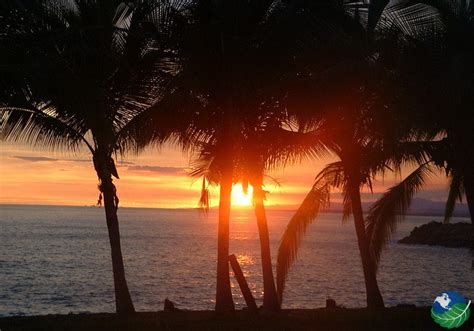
158 178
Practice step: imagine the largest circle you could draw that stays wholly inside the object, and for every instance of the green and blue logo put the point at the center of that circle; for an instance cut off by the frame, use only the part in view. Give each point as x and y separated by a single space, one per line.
450 310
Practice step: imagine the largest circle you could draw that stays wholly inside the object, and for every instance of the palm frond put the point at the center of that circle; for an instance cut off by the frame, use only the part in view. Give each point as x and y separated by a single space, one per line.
347 206
389 210
284 147
456 191
204 198
173 118
417 20
315 202
413 153
40 127
376 9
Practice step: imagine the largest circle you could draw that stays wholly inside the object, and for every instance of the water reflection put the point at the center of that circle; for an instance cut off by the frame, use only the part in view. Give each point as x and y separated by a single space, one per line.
245 259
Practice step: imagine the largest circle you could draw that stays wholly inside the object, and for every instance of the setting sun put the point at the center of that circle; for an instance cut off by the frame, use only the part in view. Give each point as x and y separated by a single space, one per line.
239 198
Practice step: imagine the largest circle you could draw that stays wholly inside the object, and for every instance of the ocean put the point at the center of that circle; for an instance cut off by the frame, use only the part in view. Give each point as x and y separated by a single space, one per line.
57 260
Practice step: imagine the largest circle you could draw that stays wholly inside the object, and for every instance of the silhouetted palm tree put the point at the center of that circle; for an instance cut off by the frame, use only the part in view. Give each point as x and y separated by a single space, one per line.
360 161
450 59
441 33
269 143
217 95
377 132
221 64
75 73
351 98
226 101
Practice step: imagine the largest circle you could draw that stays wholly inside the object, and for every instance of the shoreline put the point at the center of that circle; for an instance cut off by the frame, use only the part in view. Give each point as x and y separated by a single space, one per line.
393 318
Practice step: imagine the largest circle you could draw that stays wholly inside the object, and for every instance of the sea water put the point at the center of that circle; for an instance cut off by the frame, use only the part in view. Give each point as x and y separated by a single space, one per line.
57 260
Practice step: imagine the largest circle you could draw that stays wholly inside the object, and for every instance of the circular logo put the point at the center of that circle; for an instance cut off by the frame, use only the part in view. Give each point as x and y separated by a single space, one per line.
450 310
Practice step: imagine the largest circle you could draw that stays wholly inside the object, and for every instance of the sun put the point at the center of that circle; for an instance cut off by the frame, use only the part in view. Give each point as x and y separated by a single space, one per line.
239 198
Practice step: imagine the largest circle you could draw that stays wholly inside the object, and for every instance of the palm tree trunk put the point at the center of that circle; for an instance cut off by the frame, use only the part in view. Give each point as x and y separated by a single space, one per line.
105 167
374 297
224 302
270 297
123 300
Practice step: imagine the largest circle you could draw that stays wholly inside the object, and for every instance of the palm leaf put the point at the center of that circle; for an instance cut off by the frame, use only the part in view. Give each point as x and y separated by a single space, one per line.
284 147
204 198
315 202
376 9
389 210
456 191
347 206
173 118
41 127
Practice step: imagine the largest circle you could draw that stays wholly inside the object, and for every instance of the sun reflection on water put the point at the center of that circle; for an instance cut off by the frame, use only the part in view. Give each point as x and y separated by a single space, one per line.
245 259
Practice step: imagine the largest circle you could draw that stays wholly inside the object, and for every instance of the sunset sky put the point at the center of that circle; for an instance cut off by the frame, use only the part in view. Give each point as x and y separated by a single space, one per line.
157 178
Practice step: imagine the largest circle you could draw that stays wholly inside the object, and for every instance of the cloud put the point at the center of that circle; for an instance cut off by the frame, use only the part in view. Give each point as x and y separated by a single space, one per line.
158 169
76 160
35 158
124 163
118 163
46 159
50 159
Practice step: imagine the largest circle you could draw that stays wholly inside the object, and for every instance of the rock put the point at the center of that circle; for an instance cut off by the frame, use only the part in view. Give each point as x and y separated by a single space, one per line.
169 306
447 235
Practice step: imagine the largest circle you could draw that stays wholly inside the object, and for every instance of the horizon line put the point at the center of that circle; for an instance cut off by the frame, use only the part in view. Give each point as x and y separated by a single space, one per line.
287 208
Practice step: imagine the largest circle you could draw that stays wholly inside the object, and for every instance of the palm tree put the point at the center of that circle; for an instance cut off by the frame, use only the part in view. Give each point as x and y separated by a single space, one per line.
217 61
226 100
360 161
248 174
441 32
351 98
366 149
222 73
451 56
75 73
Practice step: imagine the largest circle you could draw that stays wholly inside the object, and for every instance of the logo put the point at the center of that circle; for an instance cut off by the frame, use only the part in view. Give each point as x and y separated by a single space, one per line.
450 310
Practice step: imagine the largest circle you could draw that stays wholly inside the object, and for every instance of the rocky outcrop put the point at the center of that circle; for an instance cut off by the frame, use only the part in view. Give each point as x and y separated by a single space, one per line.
436 233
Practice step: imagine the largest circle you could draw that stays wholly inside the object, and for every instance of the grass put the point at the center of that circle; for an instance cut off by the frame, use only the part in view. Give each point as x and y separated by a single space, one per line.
406 318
